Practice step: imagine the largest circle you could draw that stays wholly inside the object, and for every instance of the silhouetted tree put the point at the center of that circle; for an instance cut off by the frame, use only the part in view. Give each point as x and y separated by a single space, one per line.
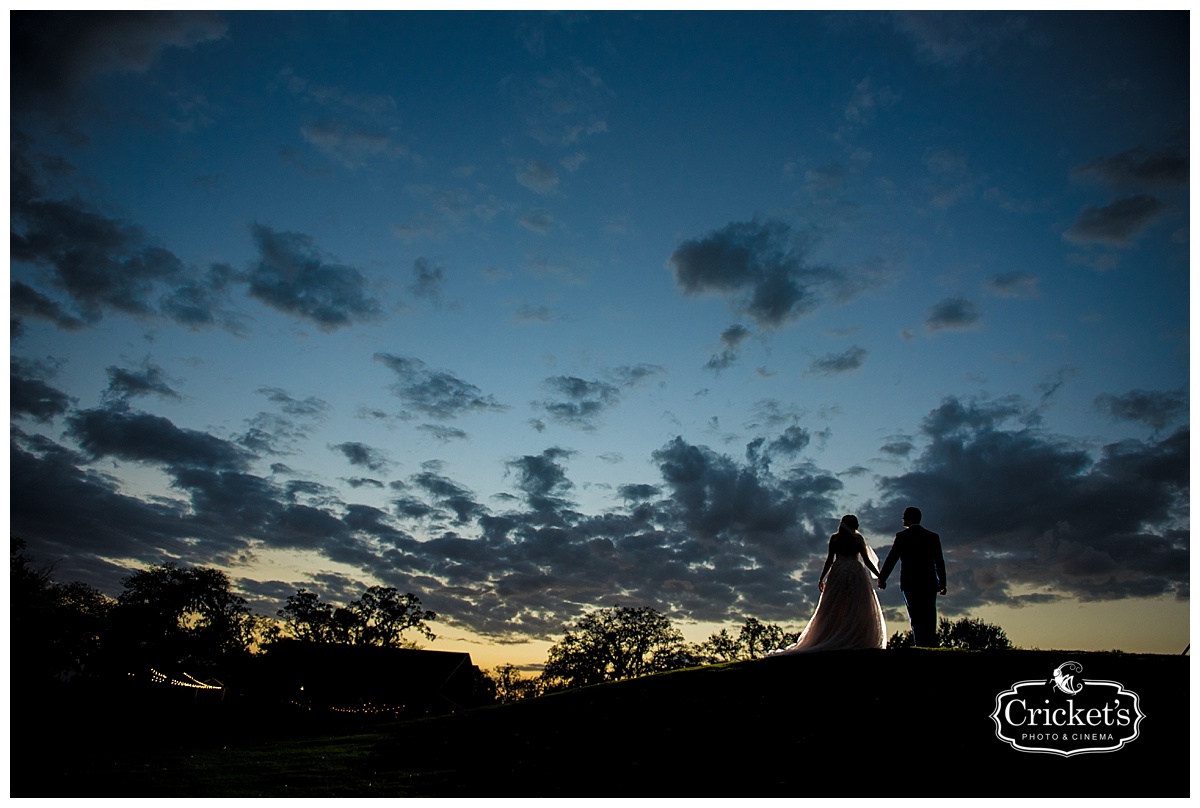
172 615
511 686
307 618
753 641
384 615
966 633
379 617
614 643
56 629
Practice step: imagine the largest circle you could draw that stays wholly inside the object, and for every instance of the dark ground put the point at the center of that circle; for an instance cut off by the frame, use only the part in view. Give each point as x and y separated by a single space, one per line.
816 725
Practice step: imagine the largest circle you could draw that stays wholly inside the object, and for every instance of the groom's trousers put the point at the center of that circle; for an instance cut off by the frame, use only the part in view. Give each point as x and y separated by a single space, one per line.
922 615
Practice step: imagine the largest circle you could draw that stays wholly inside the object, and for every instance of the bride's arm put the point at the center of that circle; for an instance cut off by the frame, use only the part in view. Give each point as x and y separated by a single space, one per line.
825 569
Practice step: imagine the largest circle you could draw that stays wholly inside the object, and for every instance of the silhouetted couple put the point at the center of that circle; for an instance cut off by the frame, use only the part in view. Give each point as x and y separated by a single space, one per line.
848 615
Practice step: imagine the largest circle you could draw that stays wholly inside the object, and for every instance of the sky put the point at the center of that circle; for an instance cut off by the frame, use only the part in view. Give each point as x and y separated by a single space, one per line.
535 313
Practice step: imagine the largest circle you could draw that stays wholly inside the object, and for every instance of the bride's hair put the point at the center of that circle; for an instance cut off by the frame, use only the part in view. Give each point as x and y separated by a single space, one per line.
849 524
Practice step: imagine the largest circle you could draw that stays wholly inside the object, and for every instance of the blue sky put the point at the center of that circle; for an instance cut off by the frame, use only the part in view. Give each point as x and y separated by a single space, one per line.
532 313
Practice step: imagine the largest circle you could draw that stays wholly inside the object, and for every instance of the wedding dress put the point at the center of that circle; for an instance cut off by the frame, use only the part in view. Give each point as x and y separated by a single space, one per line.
848 614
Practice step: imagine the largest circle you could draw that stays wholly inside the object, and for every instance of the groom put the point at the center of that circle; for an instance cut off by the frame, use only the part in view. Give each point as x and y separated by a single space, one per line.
922 575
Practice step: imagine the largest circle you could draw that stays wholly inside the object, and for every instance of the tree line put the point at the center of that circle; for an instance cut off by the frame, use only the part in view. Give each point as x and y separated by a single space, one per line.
191 618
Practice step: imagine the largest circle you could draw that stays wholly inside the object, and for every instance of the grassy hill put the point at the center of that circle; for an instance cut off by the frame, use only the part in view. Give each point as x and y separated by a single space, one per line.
816 725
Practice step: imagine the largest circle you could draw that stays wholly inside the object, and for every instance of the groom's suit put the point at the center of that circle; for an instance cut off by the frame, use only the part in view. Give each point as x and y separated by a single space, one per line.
922 576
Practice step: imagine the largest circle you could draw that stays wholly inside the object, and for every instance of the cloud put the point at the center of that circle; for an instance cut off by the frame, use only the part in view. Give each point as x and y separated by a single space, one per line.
581 403
951 38
563 106
527 313
1014 285
1023 511
850 359
866 101
953 313
732 339
55 55
150 379
310 407
104 264
351 144
543 479
351 129
450 495
99 262
116 431
26 301
202 302
360 454
292 277
445 434
635 375
436 393
762 268
1139 169
539 221
29 394
537 176
1117 224
1156 409
428 281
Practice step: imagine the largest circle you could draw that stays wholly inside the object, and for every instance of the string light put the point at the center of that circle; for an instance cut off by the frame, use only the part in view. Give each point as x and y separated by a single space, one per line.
193 682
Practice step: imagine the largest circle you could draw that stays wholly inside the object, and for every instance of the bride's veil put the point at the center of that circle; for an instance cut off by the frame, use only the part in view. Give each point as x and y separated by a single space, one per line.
871 555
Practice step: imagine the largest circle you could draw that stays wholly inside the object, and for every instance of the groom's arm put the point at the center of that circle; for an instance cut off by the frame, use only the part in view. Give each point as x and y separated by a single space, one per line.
939 563
889 562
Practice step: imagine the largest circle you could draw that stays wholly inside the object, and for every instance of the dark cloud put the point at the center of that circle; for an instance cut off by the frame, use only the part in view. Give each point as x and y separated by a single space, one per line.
29 394
203 302
125 434
1155 409
1140 168
80 516
953 313
634 375
849 359
310 407
104 264
428 281
291 276
580 403
26 301
280 433
450 495
101 263
1117 224
638 492
360 454
436 393
443 433
731 341
762 267
150 379
1013 285
793 441
57 54
543 479
1022 511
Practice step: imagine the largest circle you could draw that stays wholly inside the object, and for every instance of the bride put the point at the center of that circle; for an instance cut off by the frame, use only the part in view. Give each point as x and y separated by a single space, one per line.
848 614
